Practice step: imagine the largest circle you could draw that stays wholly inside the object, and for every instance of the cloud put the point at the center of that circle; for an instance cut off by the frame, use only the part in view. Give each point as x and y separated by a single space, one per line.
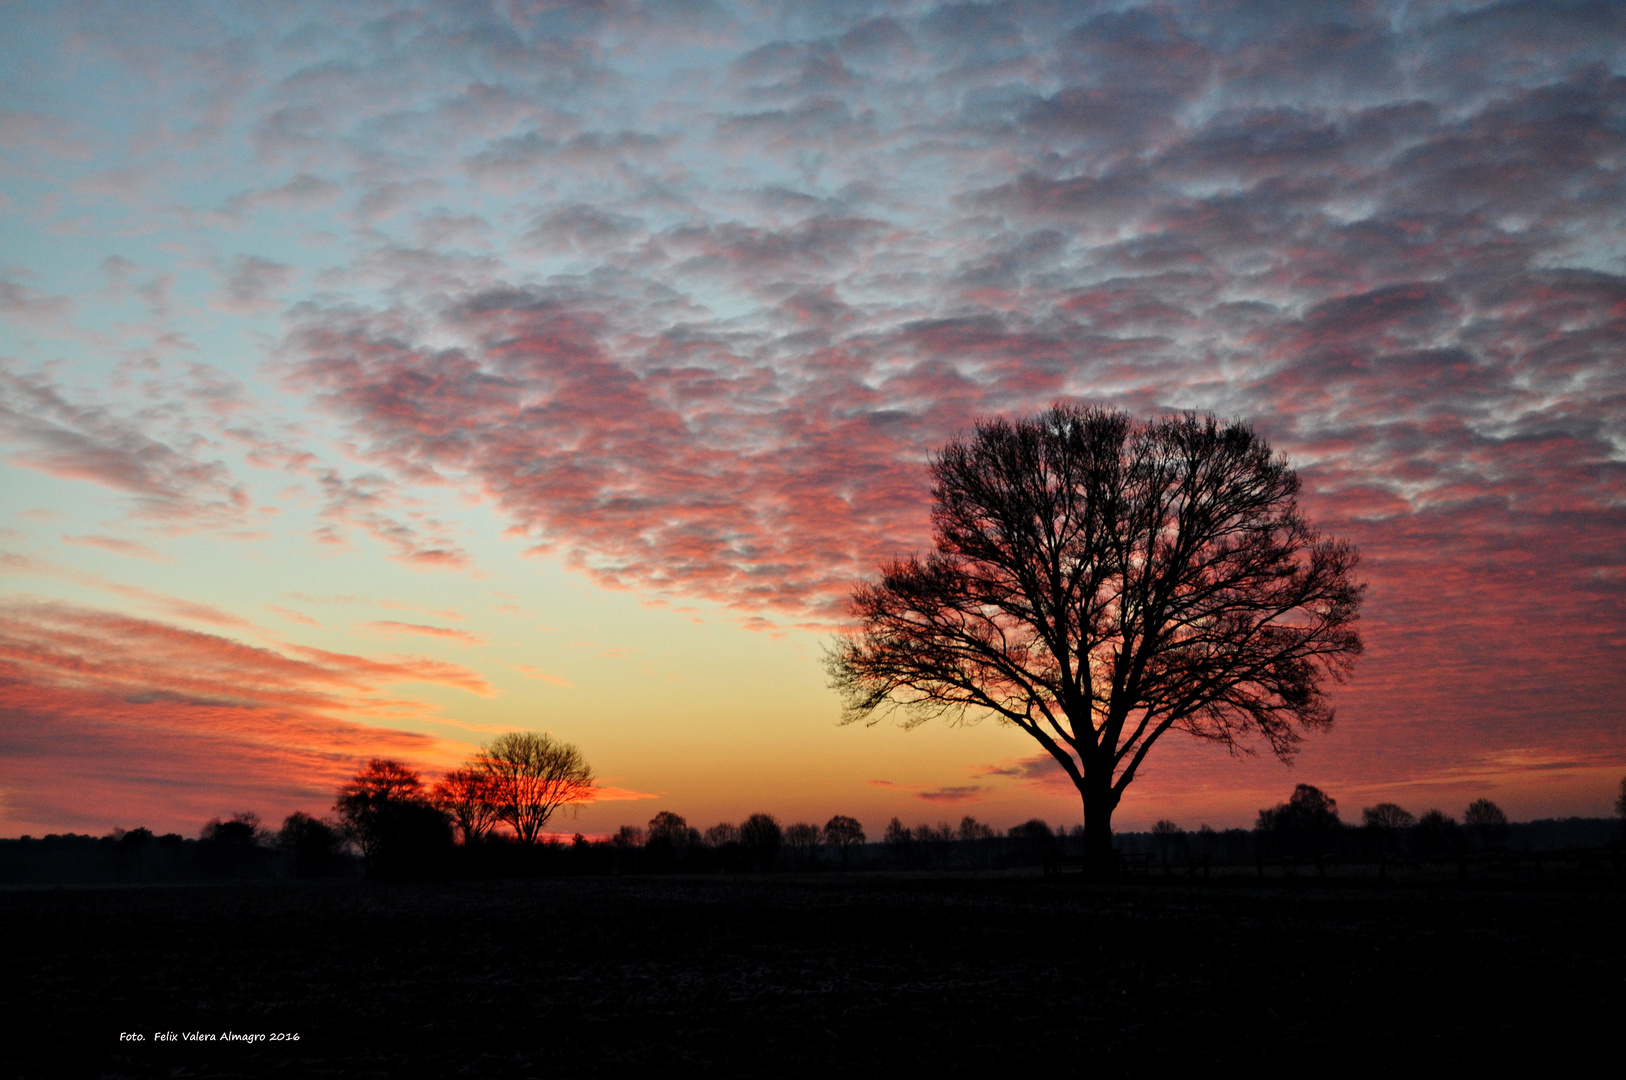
251 282
610 793
292 616
534 673
170 483
1039 771
109 719
29 305
118 546
957 794
692 320
390 627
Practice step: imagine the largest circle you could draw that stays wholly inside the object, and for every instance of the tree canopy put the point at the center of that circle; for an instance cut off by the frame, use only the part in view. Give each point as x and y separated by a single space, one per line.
532 775
1097 582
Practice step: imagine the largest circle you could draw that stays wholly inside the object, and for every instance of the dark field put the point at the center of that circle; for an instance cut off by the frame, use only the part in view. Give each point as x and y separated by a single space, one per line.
794 975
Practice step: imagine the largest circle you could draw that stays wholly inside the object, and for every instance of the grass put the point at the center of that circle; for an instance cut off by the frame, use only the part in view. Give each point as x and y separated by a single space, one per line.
795 975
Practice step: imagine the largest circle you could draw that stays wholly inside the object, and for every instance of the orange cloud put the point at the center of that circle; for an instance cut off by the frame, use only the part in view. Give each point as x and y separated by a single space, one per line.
108 719
619 794
389 626
535 673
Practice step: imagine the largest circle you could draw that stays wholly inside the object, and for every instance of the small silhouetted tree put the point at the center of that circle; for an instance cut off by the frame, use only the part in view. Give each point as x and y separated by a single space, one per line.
669 841
972 830
724 841
241 830
1487 824
130 844
1437 835
934 842
310 846
898 840
1305 824
1034 839
761 836
1620 808
844 834
467 796
1098 582
1164 834
235 846
974 837
1387 822
722 834
803 840
531 776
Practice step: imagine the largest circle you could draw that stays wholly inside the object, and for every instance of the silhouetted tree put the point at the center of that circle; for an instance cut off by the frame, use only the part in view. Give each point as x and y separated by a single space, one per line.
1034 840
933 842
1098 582
723 842
241 830
972 830
1304 825
1487 824
723 834
1164 834
1386 822
531 776
467 796
234 847
668 841
898 840
1620 808
803 840
974 837
1436 835
761 836
385 812
130 844
311 846
844 834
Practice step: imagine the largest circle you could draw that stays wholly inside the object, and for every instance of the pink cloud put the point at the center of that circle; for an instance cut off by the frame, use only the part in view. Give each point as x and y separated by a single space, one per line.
111 719
116 545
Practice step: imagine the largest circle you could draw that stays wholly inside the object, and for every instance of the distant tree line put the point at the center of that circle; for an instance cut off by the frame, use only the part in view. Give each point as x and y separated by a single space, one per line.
389 824
235 848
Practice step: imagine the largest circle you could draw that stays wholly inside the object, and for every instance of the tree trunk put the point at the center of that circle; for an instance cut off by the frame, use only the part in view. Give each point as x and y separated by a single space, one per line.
1100 861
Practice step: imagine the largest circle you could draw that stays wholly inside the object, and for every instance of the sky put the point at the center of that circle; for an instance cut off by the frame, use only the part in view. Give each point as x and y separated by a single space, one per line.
379 377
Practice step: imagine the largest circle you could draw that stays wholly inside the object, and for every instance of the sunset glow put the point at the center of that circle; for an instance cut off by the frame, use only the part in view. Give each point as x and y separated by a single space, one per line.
375 379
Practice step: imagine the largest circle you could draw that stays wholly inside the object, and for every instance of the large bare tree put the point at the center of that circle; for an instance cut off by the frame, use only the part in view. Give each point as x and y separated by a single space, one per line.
530 776
1099 582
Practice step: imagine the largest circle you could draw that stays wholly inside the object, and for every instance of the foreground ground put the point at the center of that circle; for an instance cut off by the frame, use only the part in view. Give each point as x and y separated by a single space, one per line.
790 975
